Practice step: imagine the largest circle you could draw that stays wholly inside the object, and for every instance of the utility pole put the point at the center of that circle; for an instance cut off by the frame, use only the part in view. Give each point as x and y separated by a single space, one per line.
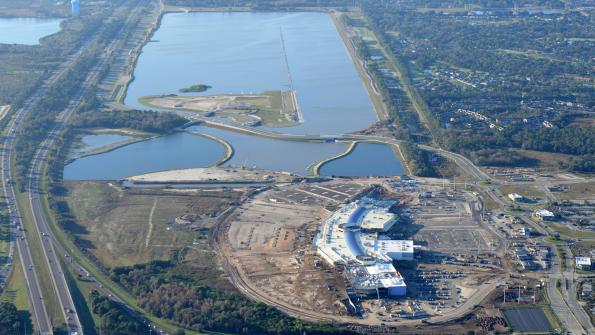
504 289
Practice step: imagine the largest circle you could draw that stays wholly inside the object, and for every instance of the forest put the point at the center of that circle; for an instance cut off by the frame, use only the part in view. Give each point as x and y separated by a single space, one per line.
528 75
148 121
175 296
12 321
114 320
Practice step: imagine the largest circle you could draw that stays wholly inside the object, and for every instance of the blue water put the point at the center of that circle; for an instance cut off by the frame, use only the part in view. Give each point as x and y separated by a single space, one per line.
92 142
365 160
26 30
177 151
243 52
271 154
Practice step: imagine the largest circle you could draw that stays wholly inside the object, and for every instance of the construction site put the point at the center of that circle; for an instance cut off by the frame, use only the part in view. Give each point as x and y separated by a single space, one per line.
366 251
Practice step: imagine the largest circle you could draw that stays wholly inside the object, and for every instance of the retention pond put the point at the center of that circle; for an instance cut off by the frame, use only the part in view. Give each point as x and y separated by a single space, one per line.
26 30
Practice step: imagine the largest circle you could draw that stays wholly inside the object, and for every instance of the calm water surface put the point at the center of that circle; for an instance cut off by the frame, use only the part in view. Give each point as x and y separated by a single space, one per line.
271 154
243 52
26 30
92 142
365 160
177 151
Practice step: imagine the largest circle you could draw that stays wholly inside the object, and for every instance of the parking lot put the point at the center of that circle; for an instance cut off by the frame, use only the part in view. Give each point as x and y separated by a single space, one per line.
454 239
324 194
528 320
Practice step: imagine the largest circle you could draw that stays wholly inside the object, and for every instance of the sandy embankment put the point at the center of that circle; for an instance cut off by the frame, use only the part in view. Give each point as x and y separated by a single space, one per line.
211 175
4 111
315 169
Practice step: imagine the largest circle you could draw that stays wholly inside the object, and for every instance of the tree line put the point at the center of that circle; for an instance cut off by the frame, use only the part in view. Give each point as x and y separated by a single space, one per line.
149 121
177 297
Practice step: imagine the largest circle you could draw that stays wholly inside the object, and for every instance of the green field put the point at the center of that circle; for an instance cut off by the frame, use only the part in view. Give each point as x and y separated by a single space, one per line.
572 233
524 190
271 108
15 291
45 281
125 227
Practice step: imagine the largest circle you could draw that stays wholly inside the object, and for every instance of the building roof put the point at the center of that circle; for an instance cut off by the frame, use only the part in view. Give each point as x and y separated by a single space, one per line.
342 239
378 219
390 246
544 213
379 275
583 261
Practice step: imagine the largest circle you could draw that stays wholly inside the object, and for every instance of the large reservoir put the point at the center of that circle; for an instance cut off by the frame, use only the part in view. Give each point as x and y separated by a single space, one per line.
246 52
242 53
26 30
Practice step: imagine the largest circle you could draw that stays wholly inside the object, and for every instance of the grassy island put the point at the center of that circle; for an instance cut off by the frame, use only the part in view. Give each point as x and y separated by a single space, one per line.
195 88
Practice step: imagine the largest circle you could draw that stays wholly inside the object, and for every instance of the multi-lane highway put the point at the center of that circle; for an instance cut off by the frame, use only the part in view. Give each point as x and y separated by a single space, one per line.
41 227
35 297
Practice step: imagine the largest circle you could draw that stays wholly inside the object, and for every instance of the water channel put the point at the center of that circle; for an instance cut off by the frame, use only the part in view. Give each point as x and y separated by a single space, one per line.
363 162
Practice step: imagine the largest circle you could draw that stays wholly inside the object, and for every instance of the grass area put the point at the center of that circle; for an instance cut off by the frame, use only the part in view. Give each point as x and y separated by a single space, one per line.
50 297
546 160
4 231
126 227
271 108
552 240
377 100
16 291
577 191
526 191
551 317
489 203
574 234
279 110
527 54
93 269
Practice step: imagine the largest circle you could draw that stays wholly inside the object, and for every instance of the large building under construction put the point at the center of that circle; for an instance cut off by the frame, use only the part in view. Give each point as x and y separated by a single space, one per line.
352 237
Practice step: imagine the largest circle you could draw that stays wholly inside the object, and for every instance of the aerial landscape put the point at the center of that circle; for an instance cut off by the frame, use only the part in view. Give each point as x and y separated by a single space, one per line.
297 167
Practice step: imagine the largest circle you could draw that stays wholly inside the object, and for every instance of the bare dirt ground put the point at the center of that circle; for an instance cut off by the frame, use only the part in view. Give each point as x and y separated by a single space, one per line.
215 174
269 244
265 247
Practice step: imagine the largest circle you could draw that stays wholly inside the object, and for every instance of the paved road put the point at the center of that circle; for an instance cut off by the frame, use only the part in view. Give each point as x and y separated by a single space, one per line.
37 306
35 297
49 242
567 308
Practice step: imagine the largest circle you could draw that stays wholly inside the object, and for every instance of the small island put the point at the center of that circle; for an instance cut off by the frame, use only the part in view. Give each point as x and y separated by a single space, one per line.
270 108
195 88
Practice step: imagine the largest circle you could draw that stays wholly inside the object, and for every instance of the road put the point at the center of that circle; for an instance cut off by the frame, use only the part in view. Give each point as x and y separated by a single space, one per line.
464 163
41 226
35 297
564 303
572 315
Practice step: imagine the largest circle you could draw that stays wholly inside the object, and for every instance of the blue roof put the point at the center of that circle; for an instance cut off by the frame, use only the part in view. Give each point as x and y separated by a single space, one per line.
356 216
352 241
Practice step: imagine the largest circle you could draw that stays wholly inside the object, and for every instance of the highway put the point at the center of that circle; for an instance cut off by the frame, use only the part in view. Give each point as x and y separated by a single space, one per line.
41 226
35 297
